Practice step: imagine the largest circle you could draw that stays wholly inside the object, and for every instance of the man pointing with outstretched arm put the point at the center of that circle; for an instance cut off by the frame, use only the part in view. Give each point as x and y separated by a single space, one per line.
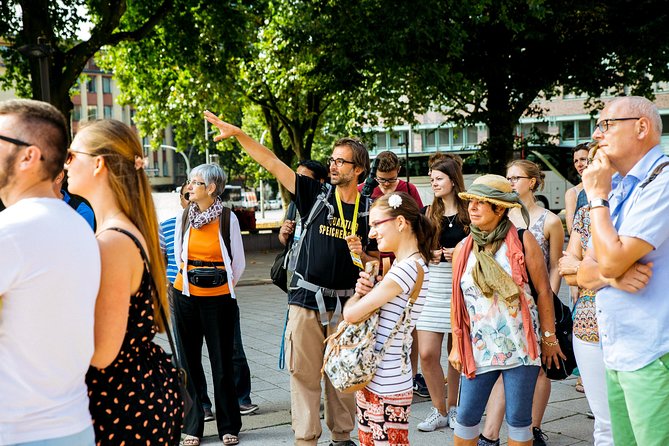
332 250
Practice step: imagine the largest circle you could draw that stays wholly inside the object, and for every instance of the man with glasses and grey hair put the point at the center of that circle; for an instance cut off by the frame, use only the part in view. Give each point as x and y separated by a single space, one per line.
50 277
629 266
332 250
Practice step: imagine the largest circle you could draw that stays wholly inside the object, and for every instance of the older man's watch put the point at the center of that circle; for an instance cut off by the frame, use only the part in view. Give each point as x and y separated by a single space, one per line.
599 203
548 334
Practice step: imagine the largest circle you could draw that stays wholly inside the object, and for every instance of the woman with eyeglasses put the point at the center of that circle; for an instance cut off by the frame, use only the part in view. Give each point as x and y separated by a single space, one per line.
132 384
448 214
384 404
526 178
209 251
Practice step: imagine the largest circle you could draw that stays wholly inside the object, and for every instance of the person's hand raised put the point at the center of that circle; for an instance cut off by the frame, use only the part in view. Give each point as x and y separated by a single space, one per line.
227 130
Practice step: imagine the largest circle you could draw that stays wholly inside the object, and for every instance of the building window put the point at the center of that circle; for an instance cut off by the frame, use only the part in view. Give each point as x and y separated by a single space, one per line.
398 139
76 113
567 131
457 136
165 165
91 85
472 136
108 111
665 124
584 130
444 138
132 117
155 163
381 141
430 138
106 85
92 112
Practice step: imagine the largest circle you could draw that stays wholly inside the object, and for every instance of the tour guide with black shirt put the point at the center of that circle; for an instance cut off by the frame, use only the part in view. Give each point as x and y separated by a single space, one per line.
325 246
332 251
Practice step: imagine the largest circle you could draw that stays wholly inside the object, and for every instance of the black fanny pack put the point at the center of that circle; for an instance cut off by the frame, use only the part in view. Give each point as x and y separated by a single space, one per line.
207 277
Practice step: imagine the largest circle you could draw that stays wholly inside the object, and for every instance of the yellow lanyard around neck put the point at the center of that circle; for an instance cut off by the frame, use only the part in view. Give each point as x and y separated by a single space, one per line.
354 220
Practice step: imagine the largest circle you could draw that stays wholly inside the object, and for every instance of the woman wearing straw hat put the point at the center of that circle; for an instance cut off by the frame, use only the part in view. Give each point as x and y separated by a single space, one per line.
494 318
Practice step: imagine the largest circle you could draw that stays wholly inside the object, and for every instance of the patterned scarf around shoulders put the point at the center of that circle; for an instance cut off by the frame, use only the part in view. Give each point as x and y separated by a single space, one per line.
198 219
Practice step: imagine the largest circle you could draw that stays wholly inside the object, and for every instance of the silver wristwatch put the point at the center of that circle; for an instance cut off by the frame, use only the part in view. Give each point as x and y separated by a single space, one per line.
599 203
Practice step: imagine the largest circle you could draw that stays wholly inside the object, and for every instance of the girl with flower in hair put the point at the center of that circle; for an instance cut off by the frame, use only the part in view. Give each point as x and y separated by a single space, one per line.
383 406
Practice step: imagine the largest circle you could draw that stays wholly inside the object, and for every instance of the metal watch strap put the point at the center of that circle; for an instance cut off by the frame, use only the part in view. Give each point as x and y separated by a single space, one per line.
599 203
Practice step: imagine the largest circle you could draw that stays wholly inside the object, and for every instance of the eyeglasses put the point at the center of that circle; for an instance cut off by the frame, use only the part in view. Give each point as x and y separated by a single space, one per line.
386 180
339 161
374 225
514 179
17 142
603 125
71 155
195 183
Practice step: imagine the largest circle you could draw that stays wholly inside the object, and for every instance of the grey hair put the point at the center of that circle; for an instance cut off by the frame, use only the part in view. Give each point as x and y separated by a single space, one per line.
640 106
211 173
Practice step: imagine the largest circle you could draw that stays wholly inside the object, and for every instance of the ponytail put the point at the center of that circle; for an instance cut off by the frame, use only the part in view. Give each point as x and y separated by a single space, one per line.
425 236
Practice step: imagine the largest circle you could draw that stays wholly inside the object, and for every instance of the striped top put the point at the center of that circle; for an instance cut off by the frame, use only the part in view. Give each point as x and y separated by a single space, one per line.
390 378
167 246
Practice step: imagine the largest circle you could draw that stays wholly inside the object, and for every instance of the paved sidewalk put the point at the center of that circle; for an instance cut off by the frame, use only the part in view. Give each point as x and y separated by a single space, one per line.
263 312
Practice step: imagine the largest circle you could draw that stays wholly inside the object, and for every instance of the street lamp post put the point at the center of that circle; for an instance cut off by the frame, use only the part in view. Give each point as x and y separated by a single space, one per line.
262 186
165 146
41 51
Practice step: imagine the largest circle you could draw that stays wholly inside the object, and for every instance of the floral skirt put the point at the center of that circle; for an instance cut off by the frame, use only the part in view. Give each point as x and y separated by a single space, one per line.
383 419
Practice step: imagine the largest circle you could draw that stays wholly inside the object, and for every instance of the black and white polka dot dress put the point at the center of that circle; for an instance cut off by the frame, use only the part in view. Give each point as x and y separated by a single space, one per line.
135 400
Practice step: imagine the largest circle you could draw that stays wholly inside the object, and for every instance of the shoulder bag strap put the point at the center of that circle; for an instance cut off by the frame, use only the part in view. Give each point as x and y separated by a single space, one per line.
224 227
415 292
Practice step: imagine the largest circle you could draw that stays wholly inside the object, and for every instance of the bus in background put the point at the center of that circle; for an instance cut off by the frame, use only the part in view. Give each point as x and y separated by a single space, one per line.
554 161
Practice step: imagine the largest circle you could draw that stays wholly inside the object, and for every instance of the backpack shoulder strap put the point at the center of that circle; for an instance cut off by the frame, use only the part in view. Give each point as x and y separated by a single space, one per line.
75 201
224 227
654 174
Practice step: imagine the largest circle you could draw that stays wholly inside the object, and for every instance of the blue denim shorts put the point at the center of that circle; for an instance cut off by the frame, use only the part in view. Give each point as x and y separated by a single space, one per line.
519 385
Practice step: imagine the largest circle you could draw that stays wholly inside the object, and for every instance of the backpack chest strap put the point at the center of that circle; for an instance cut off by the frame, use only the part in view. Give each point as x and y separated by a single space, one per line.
320 301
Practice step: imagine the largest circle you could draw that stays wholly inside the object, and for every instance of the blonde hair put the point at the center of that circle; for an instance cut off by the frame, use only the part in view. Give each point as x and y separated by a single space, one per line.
532 170
120 146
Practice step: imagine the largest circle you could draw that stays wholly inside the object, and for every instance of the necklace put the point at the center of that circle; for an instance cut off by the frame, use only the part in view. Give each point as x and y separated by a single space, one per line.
451 220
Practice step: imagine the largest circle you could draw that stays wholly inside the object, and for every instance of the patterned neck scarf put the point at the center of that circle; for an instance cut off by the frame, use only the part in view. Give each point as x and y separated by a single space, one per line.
198 219
488 275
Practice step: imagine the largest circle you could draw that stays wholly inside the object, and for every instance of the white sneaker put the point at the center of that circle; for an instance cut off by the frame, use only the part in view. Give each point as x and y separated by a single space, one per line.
452 412
433 421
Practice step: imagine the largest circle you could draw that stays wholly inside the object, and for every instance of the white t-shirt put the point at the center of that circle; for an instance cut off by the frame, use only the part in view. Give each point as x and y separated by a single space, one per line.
389 378
49 280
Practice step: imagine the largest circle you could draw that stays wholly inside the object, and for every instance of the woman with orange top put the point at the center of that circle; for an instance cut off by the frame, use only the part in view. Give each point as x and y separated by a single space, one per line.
204 298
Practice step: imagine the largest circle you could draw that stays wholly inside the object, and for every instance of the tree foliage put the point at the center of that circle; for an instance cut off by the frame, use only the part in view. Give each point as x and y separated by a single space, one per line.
487 61
56 24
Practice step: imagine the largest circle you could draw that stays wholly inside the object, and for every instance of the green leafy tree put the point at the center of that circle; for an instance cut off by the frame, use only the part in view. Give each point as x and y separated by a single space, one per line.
51 27
488 61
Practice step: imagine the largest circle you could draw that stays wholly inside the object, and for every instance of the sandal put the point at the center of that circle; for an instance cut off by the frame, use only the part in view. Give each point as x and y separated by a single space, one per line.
579 385
229 439
191 440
